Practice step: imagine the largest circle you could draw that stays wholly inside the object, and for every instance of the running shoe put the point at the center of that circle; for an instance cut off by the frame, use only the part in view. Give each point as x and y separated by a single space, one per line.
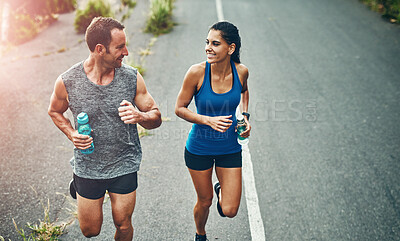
200 237
217 188
72 190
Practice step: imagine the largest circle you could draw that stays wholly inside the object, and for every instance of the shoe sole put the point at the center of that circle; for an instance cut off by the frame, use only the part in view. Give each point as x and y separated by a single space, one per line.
217 188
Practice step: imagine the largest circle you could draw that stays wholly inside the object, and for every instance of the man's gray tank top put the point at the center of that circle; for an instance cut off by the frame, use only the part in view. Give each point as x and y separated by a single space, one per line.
117 149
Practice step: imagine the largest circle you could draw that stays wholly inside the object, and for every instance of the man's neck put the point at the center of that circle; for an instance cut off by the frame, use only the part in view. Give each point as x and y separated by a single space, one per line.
97 73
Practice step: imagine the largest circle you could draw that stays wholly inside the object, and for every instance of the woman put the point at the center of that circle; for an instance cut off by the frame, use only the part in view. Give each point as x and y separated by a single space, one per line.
218 85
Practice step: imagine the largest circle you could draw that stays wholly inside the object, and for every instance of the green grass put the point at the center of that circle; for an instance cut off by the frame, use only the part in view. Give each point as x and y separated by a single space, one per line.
33 16
142 131
45 230
160 17
2 238
126 6
131 62
390 9
128 3
94 8
23 28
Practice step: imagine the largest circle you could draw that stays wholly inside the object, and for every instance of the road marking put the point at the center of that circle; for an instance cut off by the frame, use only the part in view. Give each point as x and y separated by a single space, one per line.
220 13
253 208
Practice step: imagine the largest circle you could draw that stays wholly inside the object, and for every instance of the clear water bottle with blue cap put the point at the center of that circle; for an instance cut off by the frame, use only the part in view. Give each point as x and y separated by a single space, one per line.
85 129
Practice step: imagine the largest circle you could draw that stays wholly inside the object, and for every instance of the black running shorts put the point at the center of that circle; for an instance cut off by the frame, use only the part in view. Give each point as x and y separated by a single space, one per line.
205 162
96 188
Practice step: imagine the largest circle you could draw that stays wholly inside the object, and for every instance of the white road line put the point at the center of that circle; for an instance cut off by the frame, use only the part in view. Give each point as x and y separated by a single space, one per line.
220 13
253 209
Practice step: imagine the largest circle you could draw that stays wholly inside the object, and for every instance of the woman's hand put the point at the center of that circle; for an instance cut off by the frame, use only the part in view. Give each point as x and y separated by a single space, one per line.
246 133
220 123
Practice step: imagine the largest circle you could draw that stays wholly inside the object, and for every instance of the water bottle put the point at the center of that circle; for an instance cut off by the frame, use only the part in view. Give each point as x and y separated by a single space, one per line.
85 129
240 128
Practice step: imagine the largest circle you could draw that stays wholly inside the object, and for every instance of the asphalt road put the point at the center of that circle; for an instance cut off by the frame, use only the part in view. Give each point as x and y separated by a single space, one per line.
324 87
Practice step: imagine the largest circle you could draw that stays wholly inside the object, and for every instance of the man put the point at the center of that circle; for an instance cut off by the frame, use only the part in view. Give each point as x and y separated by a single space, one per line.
115 98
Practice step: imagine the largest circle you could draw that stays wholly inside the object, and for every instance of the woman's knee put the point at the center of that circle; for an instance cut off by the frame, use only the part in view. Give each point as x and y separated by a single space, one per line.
204 202
230 211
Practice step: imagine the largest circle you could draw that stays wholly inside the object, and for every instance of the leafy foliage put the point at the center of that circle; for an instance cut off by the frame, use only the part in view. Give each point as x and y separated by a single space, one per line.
44 231
94 8
160 18
24 28
129 3
31 16
390 9
44 7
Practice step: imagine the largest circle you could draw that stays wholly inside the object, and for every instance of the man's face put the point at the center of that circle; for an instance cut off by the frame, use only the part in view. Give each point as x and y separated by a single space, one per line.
117 49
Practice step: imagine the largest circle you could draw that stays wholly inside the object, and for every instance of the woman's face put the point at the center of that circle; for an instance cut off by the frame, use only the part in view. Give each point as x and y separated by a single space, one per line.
217 49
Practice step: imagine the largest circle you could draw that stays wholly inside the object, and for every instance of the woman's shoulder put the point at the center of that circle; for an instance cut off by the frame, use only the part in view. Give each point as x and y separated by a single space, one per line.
241 68
197 69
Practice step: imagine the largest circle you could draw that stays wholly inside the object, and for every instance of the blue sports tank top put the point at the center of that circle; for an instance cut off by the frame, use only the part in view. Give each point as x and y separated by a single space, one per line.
202 139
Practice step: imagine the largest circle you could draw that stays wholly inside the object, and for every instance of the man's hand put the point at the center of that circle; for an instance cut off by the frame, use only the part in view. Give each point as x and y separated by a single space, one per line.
80 141
129 114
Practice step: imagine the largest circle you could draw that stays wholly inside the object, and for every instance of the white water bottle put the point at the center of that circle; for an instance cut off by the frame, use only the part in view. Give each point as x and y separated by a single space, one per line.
240 128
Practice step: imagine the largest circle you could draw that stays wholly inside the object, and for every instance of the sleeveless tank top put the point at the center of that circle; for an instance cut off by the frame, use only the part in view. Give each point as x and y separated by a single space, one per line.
202 139
117 149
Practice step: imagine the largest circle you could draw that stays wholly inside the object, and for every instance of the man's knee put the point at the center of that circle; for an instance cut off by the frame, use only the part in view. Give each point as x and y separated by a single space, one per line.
123 225
89 232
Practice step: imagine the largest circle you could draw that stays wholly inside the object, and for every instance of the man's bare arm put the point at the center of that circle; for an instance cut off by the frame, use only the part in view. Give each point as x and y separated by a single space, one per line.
58 105
147 113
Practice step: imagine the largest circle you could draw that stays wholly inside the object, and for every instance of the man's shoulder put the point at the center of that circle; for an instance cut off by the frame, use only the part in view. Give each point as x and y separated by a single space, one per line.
73 69
127 69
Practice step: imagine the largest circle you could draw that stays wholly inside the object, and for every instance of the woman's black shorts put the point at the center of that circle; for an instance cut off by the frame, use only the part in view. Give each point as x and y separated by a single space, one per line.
96 188
205 162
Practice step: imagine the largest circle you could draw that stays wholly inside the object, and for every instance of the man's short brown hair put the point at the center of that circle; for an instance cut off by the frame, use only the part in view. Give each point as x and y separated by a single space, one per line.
99 32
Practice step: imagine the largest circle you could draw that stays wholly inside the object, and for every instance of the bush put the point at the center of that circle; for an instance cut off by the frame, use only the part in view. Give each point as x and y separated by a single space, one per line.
33 15
160 18
44 7
61 6
129 3
94 8
22 28
390 9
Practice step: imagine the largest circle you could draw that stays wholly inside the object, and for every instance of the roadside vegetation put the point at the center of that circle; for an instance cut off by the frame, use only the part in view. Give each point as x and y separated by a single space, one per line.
29 17
97 8
43 230
390 9
160 17
94 8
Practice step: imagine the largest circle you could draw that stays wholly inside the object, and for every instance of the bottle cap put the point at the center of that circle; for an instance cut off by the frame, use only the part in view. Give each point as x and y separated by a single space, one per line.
82 118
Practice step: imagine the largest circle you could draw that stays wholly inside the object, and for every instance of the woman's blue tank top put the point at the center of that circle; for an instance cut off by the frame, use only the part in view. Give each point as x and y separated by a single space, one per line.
202 139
